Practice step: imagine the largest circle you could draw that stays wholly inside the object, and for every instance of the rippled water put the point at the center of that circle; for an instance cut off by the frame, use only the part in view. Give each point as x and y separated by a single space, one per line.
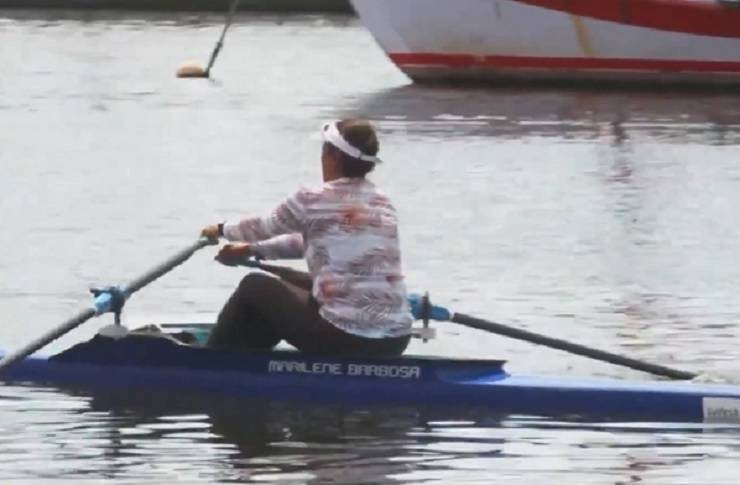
607 218
54 436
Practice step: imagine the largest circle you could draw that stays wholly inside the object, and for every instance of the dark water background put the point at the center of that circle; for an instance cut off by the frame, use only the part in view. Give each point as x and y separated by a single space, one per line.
607 218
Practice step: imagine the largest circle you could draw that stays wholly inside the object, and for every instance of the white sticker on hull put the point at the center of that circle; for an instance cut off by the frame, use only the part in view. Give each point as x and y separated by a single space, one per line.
721 410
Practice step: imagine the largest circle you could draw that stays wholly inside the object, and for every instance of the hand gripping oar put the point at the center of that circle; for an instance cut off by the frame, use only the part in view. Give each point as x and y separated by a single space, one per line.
442 314
106 300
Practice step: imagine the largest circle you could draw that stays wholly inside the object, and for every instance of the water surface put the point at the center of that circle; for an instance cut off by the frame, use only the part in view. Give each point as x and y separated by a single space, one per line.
607 218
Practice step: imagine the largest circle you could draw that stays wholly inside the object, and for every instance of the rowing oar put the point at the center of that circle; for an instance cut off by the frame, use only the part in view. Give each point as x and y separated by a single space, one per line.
435 312
106 300
192 69
442 314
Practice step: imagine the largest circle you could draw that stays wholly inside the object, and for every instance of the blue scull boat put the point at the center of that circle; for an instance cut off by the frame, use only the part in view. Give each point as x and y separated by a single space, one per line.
158 362
118 360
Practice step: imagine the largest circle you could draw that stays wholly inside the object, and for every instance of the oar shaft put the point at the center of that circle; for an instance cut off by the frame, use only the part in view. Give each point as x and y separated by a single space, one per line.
103 303
571 347
525 335
166 266
35 345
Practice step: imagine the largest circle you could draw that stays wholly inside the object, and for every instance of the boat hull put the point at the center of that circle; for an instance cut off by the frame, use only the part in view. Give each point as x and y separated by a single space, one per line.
147 364
612 41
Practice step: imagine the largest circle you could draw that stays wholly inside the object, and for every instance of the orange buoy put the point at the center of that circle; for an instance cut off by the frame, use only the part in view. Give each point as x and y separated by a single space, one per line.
191 69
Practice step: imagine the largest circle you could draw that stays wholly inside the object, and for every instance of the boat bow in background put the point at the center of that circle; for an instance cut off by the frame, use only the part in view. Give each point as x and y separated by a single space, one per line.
666 41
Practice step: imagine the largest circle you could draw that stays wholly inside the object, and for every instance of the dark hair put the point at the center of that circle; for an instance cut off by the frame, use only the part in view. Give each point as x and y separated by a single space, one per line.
360 134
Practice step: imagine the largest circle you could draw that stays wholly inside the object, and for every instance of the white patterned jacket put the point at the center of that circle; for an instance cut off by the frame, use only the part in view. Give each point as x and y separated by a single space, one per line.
348 232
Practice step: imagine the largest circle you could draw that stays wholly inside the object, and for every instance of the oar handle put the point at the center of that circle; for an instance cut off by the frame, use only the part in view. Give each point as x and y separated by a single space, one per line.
104 302
415 301
519 334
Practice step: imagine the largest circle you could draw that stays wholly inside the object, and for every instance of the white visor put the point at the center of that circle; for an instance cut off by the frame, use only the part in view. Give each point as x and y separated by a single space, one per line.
331 134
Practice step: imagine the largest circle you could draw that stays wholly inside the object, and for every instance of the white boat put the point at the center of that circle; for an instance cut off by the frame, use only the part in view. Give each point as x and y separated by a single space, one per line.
664 41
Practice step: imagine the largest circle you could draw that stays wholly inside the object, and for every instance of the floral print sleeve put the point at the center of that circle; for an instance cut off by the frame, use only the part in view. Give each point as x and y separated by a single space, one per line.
287 246
287 218
349 235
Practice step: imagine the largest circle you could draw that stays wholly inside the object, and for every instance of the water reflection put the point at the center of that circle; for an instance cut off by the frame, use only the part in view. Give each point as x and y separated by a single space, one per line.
712 119
63 434
655 257
285 442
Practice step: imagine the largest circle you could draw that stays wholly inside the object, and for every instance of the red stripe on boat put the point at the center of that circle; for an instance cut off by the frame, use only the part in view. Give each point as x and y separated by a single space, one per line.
687 16
568 63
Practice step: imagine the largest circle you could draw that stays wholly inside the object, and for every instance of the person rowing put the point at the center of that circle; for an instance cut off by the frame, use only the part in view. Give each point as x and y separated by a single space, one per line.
353 299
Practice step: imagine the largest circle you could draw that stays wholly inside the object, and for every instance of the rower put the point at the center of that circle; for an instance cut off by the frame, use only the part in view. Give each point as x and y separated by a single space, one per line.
353 300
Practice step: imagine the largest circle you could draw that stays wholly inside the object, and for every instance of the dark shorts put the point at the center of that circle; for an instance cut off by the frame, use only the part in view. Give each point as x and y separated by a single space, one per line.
264 310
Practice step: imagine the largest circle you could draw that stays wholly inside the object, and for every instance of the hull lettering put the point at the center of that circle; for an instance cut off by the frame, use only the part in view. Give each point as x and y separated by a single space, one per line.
338 369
